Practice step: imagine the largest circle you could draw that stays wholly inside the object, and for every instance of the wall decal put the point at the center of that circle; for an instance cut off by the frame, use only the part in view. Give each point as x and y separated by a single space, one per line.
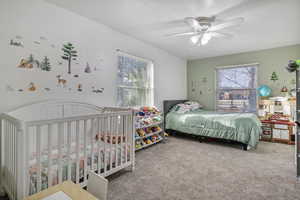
29 63
79 88
17 44
20 90
59 63
43 38
36 42
76 76
52 45
61 82
274 77
69 54
47 89
19 37
97 90
45 64
32 87
87 68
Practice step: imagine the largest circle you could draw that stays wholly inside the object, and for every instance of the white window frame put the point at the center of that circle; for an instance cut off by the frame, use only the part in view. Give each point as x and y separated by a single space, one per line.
151 71
235 66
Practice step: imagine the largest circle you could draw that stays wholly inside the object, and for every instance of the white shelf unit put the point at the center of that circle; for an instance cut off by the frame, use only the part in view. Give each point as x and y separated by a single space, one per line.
160 132
147 145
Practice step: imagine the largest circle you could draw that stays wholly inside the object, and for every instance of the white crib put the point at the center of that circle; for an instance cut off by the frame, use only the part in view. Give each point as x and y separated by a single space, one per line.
46 143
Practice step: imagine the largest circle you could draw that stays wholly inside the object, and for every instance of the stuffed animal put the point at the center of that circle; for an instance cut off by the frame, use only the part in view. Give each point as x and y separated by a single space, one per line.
141 132
148 130
148 141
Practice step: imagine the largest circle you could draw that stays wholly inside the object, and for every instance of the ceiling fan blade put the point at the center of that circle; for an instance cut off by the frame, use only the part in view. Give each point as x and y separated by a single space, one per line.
226 24
192 22
181 34
221 35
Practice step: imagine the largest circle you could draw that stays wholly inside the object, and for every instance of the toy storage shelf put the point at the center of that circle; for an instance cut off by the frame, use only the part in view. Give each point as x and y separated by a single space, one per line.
147 145
145 123
149 125
149 135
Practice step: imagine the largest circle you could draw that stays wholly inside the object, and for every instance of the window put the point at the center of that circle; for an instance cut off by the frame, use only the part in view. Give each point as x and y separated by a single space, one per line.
135 81
236 88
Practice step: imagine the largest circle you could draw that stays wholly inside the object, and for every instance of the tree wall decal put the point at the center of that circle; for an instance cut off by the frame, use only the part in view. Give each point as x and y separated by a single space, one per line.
274 77
45 64
69 54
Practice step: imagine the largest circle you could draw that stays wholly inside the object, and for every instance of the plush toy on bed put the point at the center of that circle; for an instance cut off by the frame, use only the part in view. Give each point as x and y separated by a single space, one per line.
186 107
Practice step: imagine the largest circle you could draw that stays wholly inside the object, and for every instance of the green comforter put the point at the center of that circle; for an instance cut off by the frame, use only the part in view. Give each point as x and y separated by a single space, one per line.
241 127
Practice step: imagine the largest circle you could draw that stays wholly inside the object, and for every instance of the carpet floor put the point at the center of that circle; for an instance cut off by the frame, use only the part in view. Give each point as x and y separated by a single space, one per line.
184 169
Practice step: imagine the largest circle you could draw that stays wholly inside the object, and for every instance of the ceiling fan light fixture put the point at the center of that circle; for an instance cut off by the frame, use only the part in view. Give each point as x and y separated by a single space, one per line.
204 42
206 37
195 39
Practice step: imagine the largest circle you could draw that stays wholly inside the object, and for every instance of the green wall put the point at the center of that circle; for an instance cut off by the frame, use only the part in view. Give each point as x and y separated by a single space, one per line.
269 60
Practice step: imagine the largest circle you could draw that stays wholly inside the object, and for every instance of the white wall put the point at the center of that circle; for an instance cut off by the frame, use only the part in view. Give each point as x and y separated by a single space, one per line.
34 18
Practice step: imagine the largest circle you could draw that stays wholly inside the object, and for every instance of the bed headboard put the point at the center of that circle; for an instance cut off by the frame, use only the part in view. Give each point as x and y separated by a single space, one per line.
168 104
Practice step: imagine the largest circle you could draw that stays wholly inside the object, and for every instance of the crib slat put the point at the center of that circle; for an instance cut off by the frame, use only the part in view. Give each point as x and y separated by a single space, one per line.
27 158
111 142
122 137
15 158
60 137
99 133
85 149
69 150
38 158
92 143
132 140
97 128
10 156
126 138
9 151
49 126
117 140
77 150
105 141
115 148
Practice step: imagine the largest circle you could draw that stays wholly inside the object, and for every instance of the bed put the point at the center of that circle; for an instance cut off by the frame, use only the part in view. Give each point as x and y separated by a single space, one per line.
46 143
243 128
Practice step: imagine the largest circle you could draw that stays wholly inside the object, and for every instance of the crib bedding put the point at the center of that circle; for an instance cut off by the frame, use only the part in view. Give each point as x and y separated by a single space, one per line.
240 127
109 153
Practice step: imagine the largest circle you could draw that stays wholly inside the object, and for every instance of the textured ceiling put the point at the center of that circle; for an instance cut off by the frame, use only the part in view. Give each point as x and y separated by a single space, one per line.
268 23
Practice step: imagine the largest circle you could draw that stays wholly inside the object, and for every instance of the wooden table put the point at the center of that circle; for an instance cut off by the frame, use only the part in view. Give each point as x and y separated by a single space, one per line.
74 191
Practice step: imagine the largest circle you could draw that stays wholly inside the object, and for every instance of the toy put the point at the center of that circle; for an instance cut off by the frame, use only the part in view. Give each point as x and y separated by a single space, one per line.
147 141
32 87
141 132
154 138
148 130
155 128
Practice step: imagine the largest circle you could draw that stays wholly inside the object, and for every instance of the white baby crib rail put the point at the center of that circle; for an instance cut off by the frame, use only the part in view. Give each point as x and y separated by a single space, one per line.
38 154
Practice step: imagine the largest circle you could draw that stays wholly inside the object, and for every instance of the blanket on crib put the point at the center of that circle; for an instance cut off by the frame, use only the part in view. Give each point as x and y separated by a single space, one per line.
241 127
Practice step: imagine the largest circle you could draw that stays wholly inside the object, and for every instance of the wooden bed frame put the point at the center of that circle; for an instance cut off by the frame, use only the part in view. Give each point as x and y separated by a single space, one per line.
168 104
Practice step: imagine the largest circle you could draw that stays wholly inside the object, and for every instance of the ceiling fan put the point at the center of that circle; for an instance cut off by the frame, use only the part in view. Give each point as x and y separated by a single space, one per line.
203 29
